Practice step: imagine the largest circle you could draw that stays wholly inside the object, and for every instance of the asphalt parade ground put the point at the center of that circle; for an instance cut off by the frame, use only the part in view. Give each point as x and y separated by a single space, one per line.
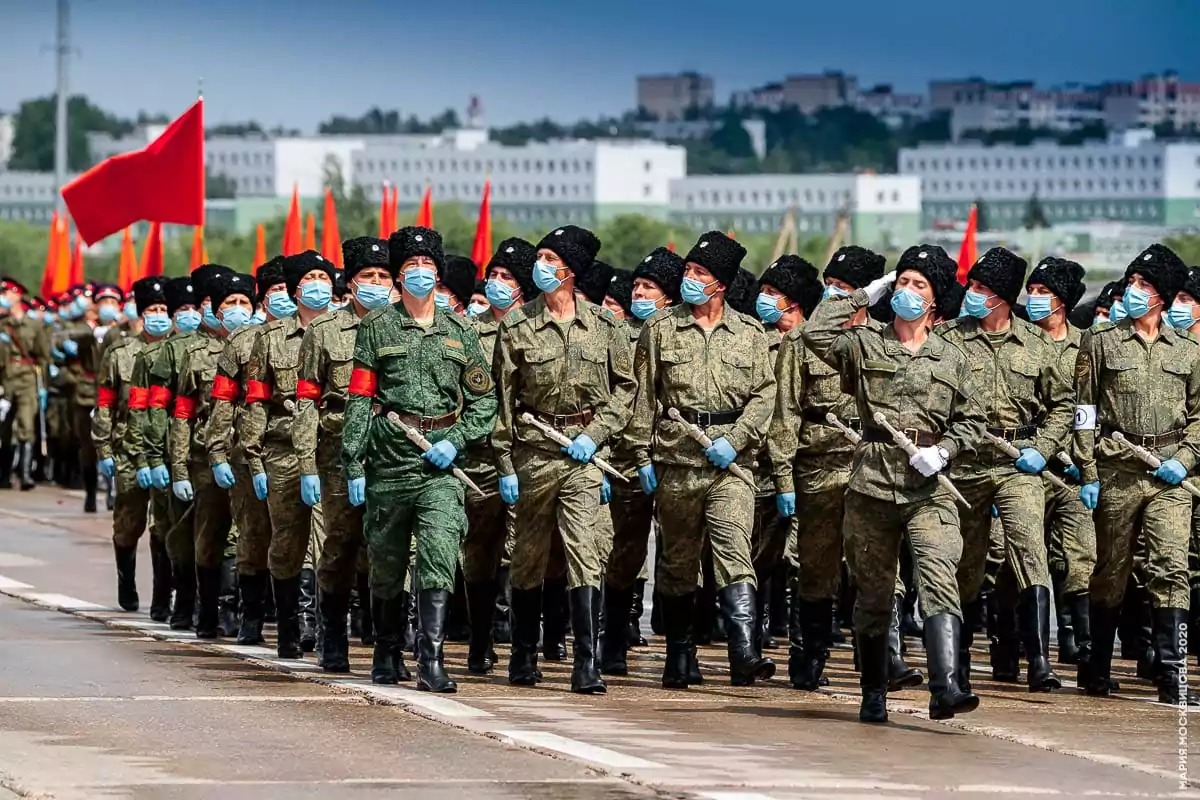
100 703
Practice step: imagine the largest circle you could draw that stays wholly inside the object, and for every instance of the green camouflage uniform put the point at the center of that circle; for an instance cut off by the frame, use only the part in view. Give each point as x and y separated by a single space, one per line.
768 537
25 353
681 365
164 376
1140 389
83 368
165 508
580 369
110 434
886 498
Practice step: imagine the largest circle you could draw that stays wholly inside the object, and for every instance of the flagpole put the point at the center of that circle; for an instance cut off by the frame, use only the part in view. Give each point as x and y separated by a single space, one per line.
62 51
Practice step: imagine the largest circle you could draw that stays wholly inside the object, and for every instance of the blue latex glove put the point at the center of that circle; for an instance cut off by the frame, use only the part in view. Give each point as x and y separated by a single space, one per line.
995 513
43 396
1073 471
106 466
721 454
4 337
605 490
260 485
223 475
183 490
1089 493
56 353
786 503
582 448
143 478
1031 461
1171 471
648 479
358 491
54 369
441 455
160 476
510 489
310 489
71 347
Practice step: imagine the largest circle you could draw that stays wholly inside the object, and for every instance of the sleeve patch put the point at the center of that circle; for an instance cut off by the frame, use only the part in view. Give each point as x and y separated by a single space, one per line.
477 379
1083 366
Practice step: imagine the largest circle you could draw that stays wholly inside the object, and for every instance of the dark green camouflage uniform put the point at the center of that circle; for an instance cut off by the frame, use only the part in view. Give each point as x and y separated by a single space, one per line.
164 376
109 435
165 508
22 358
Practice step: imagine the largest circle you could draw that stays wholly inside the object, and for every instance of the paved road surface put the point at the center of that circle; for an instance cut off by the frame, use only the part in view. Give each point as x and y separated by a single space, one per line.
95 702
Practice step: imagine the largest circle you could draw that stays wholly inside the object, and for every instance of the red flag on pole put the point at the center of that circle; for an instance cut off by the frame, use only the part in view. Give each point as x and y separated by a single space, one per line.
127 266
671 244
163 182
260 247
152 253
482 249
331 239
425 215
293 232
50 270
310 232
968 253
62 274
77 270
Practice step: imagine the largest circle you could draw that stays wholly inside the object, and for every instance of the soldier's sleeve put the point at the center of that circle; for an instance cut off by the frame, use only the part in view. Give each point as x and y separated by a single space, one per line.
1087 397
254 421
223 405
751 428
967 418
639 434
478 396
1058 396
135 425
612 417
826 333
42 348
1189 451
360 397
179 434
504 375
310 381
783 438
107 393
162 386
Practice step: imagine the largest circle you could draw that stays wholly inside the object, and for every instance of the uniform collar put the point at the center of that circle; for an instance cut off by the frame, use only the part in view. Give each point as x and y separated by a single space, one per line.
541 317
729 318
933 347
408 321
1127 331
976 331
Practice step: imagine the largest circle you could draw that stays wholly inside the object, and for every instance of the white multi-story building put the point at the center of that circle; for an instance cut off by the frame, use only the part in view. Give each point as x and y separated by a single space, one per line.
27 196
7 132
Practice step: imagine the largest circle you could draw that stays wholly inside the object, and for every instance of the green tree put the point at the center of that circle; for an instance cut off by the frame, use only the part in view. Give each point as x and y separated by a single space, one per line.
1187 247
33 134
628 238
981 215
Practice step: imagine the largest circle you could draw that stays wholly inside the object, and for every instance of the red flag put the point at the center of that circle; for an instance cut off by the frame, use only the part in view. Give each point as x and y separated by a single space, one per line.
310 232
385 207
152 253
425 215
671 244
77 261
50 270
968 253
127 266
260 247
293 233
331 239
482 250
198 250
163 182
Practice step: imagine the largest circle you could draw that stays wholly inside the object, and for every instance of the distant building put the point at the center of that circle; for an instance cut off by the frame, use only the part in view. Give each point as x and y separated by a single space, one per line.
810 93
683 130
8 125
762 98
894 108
27 196
668 97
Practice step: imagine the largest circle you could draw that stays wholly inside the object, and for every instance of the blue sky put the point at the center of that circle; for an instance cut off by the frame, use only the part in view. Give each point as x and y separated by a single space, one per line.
298 62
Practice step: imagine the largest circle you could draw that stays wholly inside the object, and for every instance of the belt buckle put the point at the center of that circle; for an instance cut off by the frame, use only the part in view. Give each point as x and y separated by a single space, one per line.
1009 434
425 424
703 419
912 434
560 420
1147 441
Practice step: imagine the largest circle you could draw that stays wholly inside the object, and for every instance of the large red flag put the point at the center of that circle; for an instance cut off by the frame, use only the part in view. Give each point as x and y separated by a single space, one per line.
969 252
127 266
293 232
260 247
152 253
331 239
50 270
163 183
482 249
77 276
425 215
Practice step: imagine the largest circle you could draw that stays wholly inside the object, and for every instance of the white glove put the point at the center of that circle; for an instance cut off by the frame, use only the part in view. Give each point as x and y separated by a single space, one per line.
5 407
929 461
877 288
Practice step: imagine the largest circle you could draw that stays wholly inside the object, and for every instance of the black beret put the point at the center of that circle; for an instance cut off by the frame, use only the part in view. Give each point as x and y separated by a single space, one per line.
179 293
855 265
297 266
742 292
458 275
414 241
797 280
362 252
665 269
268 275
204 273
593 283
226 286
1164 270
719 254
1002 271
1062 277
951 303
517 256
149 292
938 268
620 288
576 246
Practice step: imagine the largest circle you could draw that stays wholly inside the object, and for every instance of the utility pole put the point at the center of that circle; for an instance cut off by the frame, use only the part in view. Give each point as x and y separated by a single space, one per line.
62 50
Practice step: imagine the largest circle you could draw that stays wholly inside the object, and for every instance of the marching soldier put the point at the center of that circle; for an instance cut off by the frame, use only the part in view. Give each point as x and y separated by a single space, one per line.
456 285
1185 315
1141 379
99 307
26 353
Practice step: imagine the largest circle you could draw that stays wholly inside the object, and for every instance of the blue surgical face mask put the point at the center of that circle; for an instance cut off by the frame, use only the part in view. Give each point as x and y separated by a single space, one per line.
6 302
442 301
34 314
210 319
49 317
156 324
834 291
130 310
975 304
234 317
371 296
693 293
108 314
1137 302
1039 306
1117 312
499 294
187 321
1180 316
280 305
315 295
545 277
419 281
908 305
259 317
477 309
767 308
644 309
80 304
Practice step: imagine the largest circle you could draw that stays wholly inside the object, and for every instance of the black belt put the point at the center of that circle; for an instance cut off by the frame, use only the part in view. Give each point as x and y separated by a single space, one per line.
817 418
581 418
1015 434
706 419
919 438
1151 441
427 424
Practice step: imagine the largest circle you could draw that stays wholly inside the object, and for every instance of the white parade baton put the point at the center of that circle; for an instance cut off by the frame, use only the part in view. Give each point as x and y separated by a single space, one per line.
558 437
697 433
1153 461
1012 452
907 445
424 446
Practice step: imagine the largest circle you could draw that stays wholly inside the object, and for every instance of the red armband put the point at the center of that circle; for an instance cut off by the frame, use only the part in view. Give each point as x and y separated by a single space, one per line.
106 397
307 390
225 389
257 391
139 398
185 407
160 397
363 382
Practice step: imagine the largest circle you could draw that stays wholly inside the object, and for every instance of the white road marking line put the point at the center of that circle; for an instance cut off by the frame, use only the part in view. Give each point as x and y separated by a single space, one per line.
18 560
152 698
62 602
255 650
11 585
987 788
581 750
735 796
437 704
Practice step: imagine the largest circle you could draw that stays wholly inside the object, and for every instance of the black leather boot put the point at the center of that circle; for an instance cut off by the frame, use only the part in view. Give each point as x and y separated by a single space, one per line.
387 659
526 614
1068 647
1079 605
90 478
269 599
554 619
335 644
366 619
1035 616
6 465
1094 676
807 667
1137 634
208 588
614 644
481 608
1003 638
354 608
899 674
160 565
1171 651
27 482
252 588
308 610
873 676
909 625
676 611
657 627
737 609
502 625
184 578
777 624
227 600
633 634
836 634
585 626
127 594
942 648
287 617
432 606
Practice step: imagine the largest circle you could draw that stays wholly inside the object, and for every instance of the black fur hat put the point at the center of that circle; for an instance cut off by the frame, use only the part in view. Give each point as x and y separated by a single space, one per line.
458 275
414 241
1192 284
1002 271
517 256
224 287
665 269
480 287
204 273
742 292
362 252
940 269
620 288
1062 277
719 254
593 283
1164 270
268 275
178 292
950 305
1110 291
297 266
797 279
855 265
149 292
576 246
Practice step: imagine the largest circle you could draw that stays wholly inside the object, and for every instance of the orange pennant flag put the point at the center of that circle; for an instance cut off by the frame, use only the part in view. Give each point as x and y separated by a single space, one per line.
394 218
425 215
77 261
385 212
152 252
481 252
198 256
671 244
62 273
969 252
127 266
50 270
310 232
331 239
260 247
293 232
